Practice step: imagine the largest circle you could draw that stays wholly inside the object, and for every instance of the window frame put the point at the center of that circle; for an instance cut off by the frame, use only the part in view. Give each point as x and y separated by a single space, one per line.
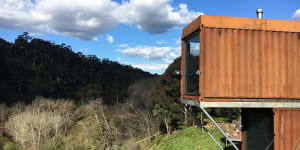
185 47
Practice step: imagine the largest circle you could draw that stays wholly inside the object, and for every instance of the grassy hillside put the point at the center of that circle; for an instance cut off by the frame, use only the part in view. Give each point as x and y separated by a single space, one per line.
191 139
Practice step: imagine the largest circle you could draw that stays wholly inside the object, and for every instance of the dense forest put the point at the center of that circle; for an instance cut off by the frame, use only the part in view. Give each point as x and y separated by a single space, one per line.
33 67
54 99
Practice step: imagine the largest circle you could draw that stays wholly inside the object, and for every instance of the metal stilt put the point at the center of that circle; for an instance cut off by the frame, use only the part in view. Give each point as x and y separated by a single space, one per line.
220 129
206 130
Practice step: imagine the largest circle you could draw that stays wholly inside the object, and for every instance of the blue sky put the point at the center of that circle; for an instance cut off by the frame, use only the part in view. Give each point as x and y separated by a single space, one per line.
141 33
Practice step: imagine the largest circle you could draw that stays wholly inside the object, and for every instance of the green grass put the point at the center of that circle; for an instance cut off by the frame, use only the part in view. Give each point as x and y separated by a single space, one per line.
191 139
3 141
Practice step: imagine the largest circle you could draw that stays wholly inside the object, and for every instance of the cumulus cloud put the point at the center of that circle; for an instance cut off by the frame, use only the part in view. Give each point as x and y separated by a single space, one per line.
297 14
109 38
123 45
178 41
160 57
75 18
155 16
153 53
152 67
161 42
176 52
85 19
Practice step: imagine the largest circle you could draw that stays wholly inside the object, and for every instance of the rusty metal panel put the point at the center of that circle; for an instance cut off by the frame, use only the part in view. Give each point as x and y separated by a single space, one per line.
251 64
287 129
192 27
249 23
182 69
241 23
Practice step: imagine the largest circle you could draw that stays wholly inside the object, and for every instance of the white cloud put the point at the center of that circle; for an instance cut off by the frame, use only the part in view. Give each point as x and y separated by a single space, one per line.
162 42
95 38
173 54
153 53
119 59
155 16
152 67
123 45
297 14
109 38
85 19
178 41
160 57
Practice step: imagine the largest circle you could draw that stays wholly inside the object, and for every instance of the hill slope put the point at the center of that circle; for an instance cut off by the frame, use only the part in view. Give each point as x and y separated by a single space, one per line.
34 67
191 139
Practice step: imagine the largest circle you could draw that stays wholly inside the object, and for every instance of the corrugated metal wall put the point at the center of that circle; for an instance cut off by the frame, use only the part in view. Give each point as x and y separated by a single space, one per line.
251 64
287 129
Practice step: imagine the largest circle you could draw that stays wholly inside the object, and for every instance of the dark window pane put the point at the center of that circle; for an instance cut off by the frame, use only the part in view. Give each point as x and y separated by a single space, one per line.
192 52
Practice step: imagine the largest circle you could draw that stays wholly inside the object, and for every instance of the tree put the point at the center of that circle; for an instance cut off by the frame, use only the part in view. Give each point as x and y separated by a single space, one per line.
3 112
90 91
23 39
162 113
33 67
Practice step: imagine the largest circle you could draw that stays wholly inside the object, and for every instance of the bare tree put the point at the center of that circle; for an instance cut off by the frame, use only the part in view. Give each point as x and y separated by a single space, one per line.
39 122
140 105
104 129
3 116
3 112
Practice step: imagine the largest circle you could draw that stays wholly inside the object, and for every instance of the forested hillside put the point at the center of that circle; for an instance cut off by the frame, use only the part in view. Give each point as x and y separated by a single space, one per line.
54 99
33 67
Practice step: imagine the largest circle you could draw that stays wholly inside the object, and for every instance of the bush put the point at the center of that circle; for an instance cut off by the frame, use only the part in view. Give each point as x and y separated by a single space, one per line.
158 139
130 145
41 121
11 146
222 120
51 145
3 141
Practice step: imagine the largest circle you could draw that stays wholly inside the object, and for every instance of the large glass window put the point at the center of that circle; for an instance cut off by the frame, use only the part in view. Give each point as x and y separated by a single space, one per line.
191 65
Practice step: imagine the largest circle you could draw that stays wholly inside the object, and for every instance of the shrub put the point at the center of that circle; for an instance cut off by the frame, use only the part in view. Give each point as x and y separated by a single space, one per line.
51 145
222 119
3 141
11 146
130 145
158 139
41 121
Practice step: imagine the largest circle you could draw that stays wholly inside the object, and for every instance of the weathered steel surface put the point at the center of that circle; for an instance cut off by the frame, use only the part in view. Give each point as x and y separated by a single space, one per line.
246 58
182 69
251 64
241 23
192 27
287 129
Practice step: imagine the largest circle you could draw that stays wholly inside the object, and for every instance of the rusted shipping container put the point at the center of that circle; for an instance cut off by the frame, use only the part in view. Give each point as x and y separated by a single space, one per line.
287 129
247 63
240 59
